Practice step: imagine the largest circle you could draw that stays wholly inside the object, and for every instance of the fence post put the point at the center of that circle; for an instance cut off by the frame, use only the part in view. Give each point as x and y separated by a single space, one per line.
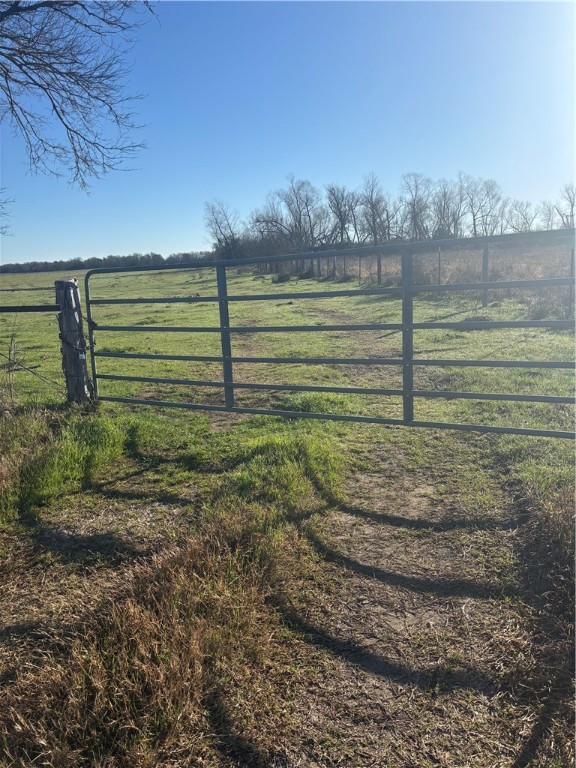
439 265
78 385
485 277
225 335
407 338
379 269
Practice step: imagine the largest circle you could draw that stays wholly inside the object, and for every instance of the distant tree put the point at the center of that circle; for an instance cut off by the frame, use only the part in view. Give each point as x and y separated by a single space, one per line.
62 72
548 215
521 216
376 215
187 257
343 205
225 229
483 198
566 206
502 216
447 209
295 215
417 196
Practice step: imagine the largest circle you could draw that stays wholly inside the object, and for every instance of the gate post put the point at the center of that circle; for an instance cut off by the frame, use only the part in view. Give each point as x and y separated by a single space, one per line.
225 335
79 388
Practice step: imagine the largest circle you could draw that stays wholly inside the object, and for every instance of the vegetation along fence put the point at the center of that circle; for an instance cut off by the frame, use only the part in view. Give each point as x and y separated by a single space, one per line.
405 287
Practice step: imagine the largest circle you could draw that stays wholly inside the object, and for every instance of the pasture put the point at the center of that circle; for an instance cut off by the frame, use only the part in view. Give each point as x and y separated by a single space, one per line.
203 588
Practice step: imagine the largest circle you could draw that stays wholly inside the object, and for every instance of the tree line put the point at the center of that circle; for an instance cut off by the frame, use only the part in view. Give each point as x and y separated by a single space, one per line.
302 217
132 260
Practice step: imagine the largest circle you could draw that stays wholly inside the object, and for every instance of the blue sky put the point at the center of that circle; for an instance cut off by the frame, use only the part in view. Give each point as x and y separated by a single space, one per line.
240 95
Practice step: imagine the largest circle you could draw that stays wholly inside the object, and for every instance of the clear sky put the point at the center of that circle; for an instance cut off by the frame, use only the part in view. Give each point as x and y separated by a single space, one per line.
239 95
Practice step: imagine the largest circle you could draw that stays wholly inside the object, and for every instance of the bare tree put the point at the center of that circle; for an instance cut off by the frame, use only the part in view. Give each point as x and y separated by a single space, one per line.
225 229
417 195
566 206
521 216
483 205
448 209
502 215
379 212
547 215
491 199
4 213
62 75
372 200
295 215
343 205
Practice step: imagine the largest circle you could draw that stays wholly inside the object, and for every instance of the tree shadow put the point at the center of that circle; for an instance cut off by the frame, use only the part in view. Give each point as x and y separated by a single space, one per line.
231 744
473 523
440 587
440 679
560 693
164 497
37 636
84 549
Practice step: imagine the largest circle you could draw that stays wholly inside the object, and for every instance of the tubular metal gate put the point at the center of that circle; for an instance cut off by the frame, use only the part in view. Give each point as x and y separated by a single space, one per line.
406 292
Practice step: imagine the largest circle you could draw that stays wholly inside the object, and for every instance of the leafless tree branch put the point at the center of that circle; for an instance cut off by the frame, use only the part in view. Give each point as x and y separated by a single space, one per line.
63 67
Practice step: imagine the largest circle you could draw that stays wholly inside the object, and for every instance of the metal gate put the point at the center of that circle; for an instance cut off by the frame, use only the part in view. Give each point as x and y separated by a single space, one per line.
407 292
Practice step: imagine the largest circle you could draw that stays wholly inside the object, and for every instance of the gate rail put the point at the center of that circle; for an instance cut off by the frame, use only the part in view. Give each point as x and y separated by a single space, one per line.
407 291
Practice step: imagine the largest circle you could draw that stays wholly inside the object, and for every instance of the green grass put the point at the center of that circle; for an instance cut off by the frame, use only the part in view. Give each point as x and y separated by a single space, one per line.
47 455
185 645
37 342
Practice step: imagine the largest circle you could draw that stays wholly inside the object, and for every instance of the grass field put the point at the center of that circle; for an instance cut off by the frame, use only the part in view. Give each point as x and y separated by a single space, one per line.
220 590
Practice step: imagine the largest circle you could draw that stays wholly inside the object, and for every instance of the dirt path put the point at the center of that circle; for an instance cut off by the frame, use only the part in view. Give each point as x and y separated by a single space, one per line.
413 614
406 636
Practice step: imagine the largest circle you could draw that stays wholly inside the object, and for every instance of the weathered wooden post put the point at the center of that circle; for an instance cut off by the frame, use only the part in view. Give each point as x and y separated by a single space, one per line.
78 384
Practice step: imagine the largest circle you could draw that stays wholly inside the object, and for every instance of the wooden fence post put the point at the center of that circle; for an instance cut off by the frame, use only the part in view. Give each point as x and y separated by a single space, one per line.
78 384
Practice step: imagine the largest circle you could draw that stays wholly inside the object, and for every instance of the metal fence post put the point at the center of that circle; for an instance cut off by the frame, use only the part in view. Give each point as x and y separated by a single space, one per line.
78 385
407 338
225 335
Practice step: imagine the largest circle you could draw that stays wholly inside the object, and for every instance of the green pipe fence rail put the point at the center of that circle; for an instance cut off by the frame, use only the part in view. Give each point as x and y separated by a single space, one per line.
407 292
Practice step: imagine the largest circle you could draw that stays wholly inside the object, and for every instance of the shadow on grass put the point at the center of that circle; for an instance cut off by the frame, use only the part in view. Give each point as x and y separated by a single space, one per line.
85 549
437 680
440 587
228 740
557 704
419 523
164 497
